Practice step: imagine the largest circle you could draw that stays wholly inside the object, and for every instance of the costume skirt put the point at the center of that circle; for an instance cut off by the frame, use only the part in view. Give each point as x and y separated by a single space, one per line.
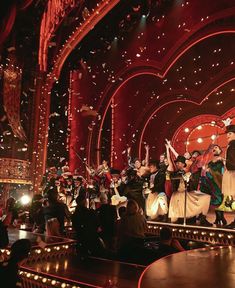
156 204
228 189
196 203
228 183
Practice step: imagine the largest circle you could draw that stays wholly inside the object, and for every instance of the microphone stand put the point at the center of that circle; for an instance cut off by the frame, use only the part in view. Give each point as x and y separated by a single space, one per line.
186 182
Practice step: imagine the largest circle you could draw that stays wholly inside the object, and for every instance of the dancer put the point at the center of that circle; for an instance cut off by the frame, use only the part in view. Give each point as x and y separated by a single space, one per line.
197 202
156 202
116 190
228 183
141 170
211 182
187 155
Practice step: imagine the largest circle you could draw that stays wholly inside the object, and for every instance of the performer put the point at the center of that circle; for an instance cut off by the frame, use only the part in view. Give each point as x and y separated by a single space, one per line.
211 182
116 189
141 170
102 176
187 155
134 188
197 203
77 190
156 203
228 182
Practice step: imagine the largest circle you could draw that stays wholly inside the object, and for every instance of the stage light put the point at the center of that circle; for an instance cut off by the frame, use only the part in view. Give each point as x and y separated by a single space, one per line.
199 127
199 140
186 130
213 137
25 200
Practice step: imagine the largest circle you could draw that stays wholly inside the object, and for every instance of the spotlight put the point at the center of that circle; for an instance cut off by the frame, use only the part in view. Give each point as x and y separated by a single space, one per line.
25 200
199 140
213 137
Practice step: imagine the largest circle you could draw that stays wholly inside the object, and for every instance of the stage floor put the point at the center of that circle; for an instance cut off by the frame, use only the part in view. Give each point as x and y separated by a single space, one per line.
207 267
229 216
15 234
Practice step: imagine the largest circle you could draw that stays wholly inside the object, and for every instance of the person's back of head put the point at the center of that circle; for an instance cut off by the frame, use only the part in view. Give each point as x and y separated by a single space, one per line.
165 234
52 195
132 207
155 163
20 250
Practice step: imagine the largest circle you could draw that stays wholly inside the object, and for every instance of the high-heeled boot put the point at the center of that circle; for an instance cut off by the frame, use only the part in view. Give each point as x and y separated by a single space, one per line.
220 220
203 221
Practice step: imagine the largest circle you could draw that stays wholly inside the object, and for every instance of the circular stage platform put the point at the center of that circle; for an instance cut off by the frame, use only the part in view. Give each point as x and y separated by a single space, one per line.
211 268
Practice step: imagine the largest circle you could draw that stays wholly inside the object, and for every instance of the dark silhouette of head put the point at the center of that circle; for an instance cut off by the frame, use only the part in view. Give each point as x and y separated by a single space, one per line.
132 207
165 234
20 250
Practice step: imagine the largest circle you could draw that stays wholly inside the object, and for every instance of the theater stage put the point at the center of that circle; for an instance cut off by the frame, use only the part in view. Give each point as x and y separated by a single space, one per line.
52 261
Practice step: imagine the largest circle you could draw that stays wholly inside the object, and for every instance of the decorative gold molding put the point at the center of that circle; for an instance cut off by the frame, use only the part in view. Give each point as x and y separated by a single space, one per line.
15 171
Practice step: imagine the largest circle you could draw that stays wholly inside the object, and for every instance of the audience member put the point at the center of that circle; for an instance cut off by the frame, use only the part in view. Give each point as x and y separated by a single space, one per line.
9 269
86 226
107 215
168 245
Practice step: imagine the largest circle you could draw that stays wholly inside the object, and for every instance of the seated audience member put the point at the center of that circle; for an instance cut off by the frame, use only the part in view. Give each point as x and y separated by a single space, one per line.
133 224
107 215
168 245
86 226
4 240
131 237
9 269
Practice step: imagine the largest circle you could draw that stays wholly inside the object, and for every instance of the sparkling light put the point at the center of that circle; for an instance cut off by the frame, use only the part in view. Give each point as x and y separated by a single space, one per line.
213 137
25 199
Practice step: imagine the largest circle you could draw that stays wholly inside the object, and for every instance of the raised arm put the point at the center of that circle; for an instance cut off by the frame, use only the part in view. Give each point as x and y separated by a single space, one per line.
129 160
168 156
146 160
90 171
168 142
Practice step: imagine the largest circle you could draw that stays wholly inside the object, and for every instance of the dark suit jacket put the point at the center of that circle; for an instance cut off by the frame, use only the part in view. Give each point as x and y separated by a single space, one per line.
230 156
159 181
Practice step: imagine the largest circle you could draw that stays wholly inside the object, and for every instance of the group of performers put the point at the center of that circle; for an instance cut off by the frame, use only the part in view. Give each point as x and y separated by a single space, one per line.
165 189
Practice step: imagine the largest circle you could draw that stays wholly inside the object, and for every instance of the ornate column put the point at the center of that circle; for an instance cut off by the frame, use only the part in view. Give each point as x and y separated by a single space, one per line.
76 123
41 122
